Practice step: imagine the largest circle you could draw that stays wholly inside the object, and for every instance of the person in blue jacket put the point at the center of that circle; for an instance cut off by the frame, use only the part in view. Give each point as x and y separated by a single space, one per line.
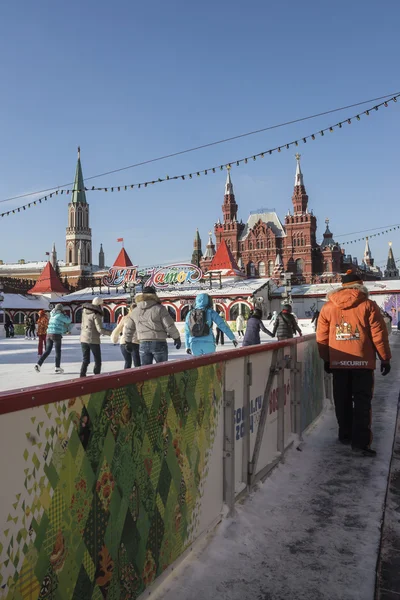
254 324
203 313
58 325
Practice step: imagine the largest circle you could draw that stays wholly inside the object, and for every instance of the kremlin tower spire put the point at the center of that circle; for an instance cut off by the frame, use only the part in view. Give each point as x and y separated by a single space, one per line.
79 234
368 260
229 207
391 271
197 251
299 198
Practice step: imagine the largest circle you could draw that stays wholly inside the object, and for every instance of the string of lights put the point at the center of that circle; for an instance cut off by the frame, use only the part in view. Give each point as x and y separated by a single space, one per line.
210 170
208 145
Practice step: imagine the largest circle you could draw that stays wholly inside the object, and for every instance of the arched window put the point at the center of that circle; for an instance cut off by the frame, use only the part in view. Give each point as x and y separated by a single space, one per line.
251 269
294 241
106 315
299 265
88 256
78 316
250 246
18 318
270 268
326 266
238 308
302 241
261 269
269 244
70 255
120 312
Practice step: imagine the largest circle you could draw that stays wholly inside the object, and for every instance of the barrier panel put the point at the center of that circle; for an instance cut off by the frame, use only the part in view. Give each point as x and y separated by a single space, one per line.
107 481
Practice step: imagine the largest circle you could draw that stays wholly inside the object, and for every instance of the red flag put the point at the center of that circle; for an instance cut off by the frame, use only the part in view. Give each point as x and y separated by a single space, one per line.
120 239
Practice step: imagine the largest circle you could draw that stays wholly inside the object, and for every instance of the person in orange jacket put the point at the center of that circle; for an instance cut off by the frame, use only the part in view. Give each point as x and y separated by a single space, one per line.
350 333
42 324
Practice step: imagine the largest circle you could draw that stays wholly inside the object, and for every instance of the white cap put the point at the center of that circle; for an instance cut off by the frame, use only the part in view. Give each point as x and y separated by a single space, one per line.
97 301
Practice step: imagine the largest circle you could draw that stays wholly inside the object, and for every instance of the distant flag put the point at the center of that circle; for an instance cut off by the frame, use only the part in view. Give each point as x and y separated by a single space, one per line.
47 253
120 239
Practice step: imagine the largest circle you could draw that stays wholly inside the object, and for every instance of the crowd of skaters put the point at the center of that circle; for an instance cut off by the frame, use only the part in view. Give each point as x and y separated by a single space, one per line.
143 332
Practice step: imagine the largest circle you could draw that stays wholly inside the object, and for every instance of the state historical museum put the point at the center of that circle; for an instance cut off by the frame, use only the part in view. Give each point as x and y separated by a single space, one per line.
264 247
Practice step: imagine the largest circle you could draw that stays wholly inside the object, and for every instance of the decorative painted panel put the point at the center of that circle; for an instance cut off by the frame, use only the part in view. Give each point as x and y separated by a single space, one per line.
101 493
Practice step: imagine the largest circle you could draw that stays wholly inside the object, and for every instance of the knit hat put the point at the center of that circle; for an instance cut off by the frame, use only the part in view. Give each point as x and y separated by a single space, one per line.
149 289
97 301
350 278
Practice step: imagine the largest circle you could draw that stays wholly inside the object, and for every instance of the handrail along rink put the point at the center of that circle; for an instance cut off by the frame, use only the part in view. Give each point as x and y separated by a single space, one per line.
110 480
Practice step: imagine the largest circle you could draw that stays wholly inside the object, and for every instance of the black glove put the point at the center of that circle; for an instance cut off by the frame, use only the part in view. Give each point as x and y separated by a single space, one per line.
129 347
177 343
188 351
385 368
235 343
327 368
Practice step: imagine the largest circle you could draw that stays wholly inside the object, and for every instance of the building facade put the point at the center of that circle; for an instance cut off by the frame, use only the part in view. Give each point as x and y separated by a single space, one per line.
266 247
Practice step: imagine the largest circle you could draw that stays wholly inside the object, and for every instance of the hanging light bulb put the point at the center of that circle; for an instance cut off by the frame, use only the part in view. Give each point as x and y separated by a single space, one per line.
304 140
313 137
358 117
349 121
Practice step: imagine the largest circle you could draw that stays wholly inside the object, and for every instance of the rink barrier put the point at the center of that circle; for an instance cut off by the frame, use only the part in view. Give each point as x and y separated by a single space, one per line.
111 479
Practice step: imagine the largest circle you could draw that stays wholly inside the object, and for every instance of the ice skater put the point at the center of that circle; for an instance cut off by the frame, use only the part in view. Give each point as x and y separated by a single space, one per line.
56 329
117 337
42 324
254 324
92 329
240 325
199 337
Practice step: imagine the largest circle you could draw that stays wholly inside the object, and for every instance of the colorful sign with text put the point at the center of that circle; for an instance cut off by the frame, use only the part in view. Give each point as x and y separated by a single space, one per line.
159 277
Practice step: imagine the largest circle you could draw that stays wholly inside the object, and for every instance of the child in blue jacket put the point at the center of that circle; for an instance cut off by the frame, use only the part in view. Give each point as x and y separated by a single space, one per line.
205 344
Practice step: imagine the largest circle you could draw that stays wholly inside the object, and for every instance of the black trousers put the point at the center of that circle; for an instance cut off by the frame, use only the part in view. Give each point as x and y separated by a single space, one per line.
49 347
220 335
352 392
96 351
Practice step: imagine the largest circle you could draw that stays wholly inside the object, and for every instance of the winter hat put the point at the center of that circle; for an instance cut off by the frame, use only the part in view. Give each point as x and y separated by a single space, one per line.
257 313
149 289
59 308
287 307
350 278
97 301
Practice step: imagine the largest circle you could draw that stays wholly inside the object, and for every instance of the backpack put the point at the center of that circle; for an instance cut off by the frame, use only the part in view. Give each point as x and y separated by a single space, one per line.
198 326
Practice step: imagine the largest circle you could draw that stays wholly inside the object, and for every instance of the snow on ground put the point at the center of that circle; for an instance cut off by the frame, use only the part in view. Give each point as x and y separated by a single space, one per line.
18 356
312 530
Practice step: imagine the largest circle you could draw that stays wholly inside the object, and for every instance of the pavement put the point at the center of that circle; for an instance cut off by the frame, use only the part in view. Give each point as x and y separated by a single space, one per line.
313 529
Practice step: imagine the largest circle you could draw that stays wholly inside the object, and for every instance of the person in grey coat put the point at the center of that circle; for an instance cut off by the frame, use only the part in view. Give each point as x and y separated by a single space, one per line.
152 324
91 330
285 324
254 324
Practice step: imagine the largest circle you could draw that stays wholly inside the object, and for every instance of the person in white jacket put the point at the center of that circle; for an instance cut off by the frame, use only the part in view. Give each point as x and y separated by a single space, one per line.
240 325
117 336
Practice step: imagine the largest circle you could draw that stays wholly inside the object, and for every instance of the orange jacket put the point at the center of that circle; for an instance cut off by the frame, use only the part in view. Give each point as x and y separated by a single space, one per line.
351 330
42 324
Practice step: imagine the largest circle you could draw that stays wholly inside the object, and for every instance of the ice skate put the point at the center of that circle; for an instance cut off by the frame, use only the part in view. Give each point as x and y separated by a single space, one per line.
58 370
37 368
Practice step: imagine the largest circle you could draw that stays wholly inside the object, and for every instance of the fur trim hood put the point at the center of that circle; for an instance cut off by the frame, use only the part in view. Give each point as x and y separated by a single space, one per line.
93 308
348 296
147 298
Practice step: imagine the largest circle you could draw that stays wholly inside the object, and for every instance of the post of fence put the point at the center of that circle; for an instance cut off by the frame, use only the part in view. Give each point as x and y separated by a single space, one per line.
281 400
229 450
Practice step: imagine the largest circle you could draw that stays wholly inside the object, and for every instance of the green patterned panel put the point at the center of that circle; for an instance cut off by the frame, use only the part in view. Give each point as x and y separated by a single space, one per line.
110 492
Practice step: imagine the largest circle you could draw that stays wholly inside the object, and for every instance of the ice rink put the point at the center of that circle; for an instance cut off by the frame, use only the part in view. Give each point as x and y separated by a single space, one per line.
18 357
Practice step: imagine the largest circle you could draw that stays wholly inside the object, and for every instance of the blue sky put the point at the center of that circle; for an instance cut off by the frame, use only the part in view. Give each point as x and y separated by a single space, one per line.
128 81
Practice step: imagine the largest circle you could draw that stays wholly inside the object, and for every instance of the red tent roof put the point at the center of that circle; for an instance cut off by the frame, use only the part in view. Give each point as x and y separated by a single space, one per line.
223 260
48 282
123 259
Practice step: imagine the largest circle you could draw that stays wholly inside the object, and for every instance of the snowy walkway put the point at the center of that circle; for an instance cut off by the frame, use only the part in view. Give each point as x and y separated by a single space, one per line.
312 531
